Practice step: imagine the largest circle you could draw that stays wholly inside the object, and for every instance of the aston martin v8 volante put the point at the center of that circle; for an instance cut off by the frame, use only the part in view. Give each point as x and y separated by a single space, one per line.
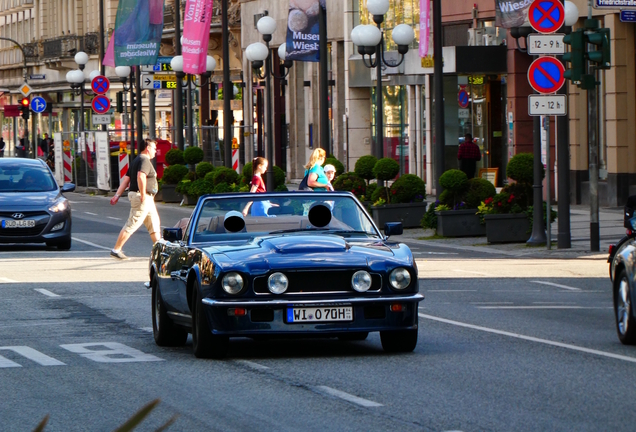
278 265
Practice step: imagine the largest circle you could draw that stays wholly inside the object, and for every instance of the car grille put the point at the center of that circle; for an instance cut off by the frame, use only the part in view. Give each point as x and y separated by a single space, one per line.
41 219
317 282
27 214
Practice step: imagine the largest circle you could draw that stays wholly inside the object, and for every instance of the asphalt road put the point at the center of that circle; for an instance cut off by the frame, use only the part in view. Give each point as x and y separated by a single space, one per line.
504 344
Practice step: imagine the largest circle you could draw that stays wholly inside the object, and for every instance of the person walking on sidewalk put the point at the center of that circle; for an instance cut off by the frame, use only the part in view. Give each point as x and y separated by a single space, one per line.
468 156
143 187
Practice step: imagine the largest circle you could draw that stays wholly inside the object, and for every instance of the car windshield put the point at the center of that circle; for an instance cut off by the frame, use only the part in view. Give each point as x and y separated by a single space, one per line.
25 178
226 218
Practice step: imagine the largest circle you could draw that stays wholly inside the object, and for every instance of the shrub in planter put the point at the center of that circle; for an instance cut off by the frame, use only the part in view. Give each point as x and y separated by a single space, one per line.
203 168
371 187
521 168
210 177
279 176
190 176
478 190
193 155
386 169
173 174
430 218
224 175
174 157
380 193
248 171
364 167
336 163
223 188
455 184
183 186
350 182
279 188
199 187
408 188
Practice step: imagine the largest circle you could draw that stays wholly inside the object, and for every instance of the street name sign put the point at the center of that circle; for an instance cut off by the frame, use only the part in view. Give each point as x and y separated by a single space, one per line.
38 104
548 105
545 75
546 16
37 76
628 16
615 4
101 119
541 44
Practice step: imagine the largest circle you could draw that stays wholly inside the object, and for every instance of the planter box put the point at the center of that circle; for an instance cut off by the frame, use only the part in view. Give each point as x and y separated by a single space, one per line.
410 214
507 228
169 195
190 200
459 223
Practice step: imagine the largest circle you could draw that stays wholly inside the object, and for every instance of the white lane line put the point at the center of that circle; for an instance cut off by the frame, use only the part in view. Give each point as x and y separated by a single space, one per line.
92 214
348 397
114 218
543 307
146 329
490 303
91 244
436 253
451 290
7 280
46 292
474 272
558 285
531 339
252 365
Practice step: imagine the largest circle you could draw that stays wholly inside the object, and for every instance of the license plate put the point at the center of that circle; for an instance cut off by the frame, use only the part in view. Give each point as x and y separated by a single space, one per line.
25 223
320 314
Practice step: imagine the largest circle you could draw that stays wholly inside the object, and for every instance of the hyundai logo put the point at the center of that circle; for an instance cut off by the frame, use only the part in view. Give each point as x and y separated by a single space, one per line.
17 215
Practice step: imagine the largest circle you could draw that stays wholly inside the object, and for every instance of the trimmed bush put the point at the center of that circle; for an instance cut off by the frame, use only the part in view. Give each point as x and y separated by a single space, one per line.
429 220
478 190
386 169
174 157
224 175
380 192
520 168
223 188
210 176
203 168
408 188
350 182
371 187
199 187
183 187
248 172
335 162
455 184
281 188
364 167
279 176
192 176
173 174
193 155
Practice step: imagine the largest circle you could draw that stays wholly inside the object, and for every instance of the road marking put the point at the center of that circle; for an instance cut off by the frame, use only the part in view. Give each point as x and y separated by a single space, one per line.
252 365
92 214
544 307
46 292
490 303
7 280
31 354
451 290
114 218
91 244
531 339
474 272
146 329
436 253
348 397
110 352
557 285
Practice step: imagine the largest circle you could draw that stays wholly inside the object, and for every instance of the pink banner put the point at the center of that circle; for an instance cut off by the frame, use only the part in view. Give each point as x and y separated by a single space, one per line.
109 57
196 35
425 26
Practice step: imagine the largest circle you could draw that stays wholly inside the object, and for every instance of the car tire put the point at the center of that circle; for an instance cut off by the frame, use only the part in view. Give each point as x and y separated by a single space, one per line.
399 341
623 309
204 343
164 330
64 244
355 336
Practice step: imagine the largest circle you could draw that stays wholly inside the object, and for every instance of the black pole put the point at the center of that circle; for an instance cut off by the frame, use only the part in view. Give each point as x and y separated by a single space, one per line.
132 114
324 84
189 114
379 113
102 68
438 84
178 93
228 94
270 133
538 230
138 113
563 176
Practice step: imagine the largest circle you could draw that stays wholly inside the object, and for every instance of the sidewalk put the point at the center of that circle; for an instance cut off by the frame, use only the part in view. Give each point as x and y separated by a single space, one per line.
611 230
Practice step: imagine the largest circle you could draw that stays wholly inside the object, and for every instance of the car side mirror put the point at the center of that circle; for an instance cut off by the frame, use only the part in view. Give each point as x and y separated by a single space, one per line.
393 228
68 187
172 234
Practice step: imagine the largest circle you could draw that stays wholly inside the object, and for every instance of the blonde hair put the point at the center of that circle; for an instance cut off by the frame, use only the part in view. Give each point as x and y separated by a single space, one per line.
315 155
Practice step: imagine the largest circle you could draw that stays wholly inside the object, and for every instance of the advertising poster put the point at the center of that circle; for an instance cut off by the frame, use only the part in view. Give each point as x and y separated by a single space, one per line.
425 27
59 160
303 39
196 35
103 160
511 13
137 35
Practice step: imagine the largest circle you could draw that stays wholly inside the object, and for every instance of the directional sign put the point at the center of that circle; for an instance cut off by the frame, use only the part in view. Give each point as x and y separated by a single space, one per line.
462 98
552 44
628 16
38 104
545 75
550 105
546 16
25 89
162 65
100 84
101 104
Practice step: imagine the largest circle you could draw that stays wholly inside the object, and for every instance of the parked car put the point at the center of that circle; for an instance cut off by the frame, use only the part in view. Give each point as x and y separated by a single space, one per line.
33 208
622 273
297 263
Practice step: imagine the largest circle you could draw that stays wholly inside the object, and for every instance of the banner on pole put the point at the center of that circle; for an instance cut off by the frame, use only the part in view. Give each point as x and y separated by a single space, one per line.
511 13
425 27
303 38
196 35
137 34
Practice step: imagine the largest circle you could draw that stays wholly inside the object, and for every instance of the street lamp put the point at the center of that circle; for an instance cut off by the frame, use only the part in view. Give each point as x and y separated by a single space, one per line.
370 40
76 79
177 65
258 53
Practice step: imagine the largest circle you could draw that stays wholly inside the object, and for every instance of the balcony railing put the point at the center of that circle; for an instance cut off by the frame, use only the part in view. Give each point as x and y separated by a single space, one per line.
68 46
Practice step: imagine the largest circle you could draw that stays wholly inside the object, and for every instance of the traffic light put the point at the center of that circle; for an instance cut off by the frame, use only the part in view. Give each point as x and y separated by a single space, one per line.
24 107
576 56
120 102
601 57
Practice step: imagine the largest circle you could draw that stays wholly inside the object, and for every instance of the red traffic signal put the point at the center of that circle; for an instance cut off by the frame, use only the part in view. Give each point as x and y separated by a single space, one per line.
25 102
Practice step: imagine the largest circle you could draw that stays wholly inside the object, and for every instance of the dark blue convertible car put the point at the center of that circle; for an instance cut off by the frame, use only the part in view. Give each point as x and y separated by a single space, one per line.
282 264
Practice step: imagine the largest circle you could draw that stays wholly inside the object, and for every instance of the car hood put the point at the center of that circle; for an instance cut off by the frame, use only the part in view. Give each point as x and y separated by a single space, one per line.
10 201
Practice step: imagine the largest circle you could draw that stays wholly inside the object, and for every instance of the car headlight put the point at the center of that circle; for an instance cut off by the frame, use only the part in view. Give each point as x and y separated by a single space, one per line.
361 281
277 283
232 283
59 206
400 278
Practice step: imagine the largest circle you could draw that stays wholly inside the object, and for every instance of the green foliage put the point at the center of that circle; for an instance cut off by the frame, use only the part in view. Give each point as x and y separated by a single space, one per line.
350 182
379 202
247 171
371 187
408 188
199 187
223 188
280 188
364 167
173 174
429 220
553 214
174 157
193 155
224 175
210 176
203 168
244 188
386 169
183 186
279 176
380 192
335 162
192 176
455 184
520 168
478 190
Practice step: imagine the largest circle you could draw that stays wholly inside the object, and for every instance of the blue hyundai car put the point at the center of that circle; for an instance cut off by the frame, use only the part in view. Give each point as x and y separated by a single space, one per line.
33 208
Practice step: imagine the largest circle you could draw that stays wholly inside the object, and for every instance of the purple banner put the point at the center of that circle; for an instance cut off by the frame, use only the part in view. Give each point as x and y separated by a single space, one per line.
196 35
303 39
425 26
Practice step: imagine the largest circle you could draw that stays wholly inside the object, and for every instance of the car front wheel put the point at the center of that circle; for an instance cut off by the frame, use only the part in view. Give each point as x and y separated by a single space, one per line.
399 341
166 333
204 343
625 325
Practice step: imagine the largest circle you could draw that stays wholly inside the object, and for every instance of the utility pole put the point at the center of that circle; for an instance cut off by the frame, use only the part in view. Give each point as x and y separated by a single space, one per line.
438 84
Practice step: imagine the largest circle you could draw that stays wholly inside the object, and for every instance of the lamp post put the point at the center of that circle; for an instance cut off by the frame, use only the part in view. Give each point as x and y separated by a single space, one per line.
259 53
177 65
76 79
370 40
123 72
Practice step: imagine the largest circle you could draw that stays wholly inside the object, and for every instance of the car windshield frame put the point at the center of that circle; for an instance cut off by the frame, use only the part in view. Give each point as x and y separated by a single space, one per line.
286 213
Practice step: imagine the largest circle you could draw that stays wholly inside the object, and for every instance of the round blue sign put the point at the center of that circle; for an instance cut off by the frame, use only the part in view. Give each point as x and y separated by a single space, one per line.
38 104
545 75
546 16
462 98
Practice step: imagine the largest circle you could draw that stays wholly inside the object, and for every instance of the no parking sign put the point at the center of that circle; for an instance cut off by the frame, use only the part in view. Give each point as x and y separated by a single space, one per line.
545 75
